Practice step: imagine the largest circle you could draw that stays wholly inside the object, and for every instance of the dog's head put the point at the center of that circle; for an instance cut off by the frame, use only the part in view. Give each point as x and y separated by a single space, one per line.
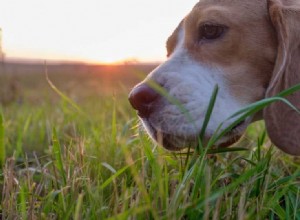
250 49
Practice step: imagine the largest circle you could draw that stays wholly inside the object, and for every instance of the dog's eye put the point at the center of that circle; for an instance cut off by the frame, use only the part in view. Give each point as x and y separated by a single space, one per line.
210 31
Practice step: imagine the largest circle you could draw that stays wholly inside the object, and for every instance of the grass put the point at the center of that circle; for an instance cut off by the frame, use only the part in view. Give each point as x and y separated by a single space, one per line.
70 156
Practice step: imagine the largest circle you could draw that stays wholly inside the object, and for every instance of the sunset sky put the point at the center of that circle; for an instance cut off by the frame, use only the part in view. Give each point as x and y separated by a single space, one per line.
90 30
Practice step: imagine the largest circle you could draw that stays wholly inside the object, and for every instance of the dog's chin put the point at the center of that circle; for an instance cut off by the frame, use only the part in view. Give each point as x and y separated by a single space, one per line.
168 141
178 143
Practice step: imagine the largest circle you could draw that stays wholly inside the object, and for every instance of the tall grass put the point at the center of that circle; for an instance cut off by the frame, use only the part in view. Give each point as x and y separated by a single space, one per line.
2 144
91 160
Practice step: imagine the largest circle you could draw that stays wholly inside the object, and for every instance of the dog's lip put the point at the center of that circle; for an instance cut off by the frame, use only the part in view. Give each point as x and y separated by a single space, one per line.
240 124
234 134
163 139
168 145
240 128
229 139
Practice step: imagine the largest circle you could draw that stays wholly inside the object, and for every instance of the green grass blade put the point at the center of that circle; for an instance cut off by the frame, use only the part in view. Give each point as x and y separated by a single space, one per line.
131 213
209 111
226 150
64 97
241 179
110 179
285 180
261 104
58 156
245 113
265 102
289 91
2 140
196 167
23 202
77 215
114 125
69 210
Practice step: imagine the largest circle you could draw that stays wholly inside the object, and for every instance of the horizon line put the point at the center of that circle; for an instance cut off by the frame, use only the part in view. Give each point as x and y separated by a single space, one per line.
25 60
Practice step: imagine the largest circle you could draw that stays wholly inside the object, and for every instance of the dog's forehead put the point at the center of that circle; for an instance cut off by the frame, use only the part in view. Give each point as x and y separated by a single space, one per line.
238 3
242 12
238 10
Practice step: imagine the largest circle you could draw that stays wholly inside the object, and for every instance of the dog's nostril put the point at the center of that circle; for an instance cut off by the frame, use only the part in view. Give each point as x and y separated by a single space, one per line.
142 99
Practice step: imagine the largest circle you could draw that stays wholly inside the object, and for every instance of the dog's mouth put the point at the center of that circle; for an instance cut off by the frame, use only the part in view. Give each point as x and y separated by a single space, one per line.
176 143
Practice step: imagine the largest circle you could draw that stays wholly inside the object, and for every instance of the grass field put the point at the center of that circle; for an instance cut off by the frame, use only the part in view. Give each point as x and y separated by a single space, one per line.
74 150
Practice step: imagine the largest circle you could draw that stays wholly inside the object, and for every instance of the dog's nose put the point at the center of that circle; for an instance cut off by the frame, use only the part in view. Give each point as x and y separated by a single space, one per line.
142 99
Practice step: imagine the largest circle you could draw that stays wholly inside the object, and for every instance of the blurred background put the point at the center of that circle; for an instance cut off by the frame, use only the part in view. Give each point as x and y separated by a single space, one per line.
92 31
86 47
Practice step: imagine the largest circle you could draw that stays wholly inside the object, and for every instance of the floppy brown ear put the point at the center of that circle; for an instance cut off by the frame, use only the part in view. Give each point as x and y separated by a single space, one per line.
282 122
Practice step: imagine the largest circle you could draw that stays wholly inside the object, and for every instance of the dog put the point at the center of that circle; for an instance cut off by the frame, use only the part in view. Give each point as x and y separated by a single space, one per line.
250 50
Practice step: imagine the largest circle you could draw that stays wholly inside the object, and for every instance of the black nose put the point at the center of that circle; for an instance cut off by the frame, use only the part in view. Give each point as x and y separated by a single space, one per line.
142 98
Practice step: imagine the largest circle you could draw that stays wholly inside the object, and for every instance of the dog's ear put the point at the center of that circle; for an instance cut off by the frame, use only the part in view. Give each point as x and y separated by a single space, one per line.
282 122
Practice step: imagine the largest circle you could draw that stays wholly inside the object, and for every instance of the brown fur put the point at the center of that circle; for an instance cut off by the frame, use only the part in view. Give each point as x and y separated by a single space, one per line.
283 123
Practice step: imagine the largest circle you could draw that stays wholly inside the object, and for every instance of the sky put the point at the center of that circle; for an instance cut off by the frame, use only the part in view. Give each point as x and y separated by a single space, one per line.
101 31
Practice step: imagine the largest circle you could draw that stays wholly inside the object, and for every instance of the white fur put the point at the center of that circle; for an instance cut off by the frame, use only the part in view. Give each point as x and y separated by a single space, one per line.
191 83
